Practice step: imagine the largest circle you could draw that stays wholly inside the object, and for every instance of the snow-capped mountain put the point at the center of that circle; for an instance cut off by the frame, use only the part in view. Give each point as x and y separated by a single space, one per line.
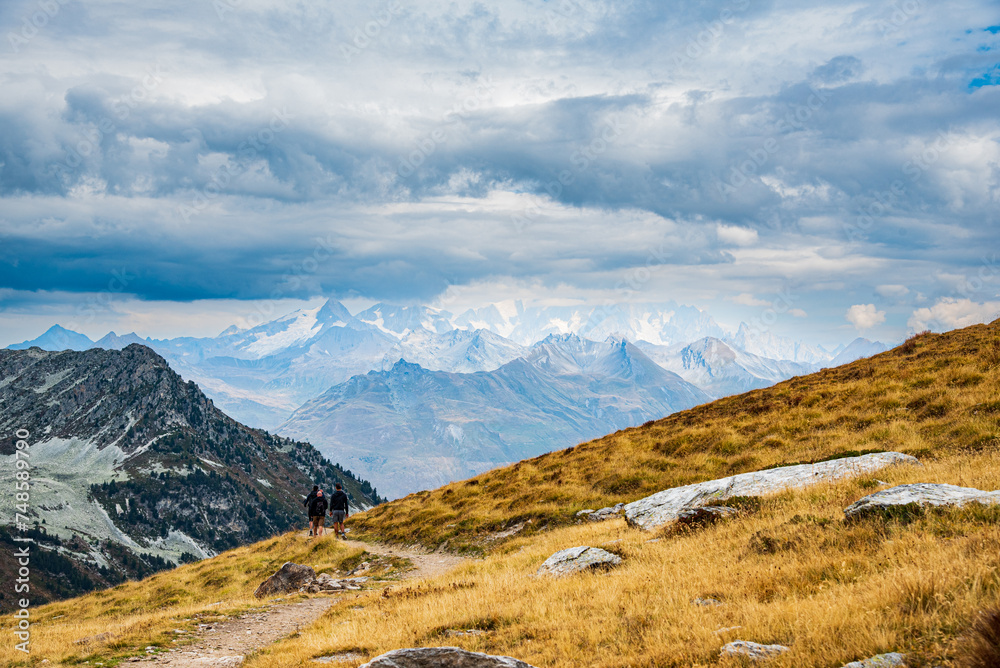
769 345
409 428
399 321
722 370
857 349
458 351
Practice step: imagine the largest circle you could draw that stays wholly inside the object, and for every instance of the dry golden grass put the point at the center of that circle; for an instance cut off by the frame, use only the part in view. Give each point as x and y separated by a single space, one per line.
793 572
138 614
937 394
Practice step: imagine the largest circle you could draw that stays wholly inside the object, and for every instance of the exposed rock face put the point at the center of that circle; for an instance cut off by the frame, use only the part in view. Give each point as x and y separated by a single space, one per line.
890 660
287 579
664 507
576 559
442 657
603 514
921 494
751 650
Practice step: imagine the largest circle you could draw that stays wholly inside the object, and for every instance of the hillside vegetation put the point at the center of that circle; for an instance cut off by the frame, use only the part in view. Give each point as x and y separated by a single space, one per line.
935 396
788 570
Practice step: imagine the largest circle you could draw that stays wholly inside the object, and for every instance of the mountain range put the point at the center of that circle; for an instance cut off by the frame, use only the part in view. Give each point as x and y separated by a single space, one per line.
409 428
132 469
333 377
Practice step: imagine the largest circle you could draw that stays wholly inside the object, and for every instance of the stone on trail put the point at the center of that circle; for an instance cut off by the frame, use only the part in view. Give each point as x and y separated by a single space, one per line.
442 657
576 559
287 579
664 507
751 650
890 660
921 494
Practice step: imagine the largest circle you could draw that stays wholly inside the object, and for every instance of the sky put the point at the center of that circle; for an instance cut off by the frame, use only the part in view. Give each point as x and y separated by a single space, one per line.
174 168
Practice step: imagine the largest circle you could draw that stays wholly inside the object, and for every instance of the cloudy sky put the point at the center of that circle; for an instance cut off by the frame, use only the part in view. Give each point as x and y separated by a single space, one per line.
174 167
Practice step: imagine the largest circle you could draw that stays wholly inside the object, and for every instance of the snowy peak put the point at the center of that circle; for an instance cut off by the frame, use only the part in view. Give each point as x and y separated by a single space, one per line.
857 349
768 345
398 321
707 353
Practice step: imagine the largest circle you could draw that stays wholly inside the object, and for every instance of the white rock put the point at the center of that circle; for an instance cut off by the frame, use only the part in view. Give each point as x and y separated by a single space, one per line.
922 494
663 507
576 559
751 650
442 657
890 660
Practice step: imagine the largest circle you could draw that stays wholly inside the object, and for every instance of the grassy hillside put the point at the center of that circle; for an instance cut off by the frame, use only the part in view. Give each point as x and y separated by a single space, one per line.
788 570
936 395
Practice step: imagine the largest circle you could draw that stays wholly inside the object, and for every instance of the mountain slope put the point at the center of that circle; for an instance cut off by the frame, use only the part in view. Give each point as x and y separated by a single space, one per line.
409 428
934 395
133 469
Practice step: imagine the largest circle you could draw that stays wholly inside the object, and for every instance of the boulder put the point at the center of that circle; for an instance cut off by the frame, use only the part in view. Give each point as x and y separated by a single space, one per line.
890 660
664 507
576 559
442 657
287 579
920 494
751 650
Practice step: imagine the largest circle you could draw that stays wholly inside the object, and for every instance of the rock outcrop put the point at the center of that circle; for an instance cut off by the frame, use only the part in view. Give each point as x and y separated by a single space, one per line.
919 494
751 650
442 657
576 559
290 577
603 514
664 507
890 660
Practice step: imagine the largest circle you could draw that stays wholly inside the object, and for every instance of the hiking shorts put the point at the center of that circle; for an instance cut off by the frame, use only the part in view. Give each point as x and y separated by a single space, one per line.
316 518
338 515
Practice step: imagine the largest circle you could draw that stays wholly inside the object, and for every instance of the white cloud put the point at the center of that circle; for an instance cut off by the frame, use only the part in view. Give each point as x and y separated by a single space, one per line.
892 290
798 313
748 299
865 316
736 236
949 313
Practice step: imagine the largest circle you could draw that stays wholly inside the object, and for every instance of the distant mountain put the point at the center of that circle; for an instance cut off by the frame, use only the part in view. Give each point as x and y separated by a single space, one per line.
409 428
722 370
56 338
857 349
399 321
112 341
769 345
134 469
459 350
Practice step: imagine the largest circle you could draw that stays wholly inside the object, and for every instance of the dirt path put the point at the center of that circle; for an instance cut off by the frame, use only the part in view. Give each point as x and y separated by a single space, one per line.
224 644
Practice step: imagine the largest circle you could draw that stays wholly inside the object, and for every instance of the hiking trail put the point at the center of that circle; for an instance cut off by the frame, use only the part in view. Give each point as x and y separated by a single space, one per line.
226 643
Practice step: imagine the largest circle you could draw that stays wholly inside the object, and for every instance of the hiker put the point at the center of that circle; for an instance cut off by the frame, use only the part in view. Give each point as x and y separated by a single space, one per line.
312 495
317 511
338 510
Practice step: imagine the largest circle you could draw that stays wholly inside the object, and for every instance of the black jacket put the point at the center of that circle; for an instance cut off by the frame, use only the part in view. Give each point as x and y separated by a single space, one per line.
338 500
312 495
317 506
